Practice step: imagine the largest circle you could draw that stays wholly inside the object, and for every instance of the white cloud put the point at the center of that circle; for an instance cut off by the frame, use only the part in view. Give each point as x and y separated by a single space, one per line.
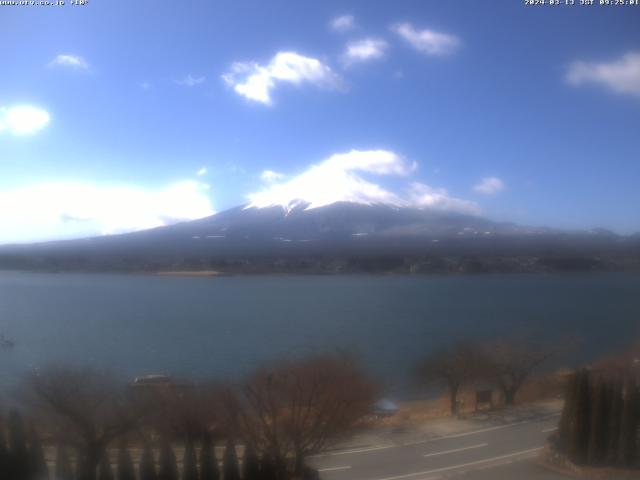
256 82
340 178
427 41
191 81
364 50
343 23
22 119
425 196
335 179
621 75
380 162
270 176
144 85
70 61
489 186
202 171
49 211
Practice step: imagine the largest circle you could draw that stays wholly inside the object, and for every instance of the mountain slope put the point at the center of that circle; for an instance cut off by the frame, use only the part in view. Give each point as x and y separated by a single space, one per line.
259 239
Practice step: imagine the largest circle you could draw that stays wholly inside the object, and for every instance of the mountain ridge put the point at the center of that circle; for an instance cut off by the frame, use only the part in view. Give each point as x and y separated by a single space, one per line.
271 239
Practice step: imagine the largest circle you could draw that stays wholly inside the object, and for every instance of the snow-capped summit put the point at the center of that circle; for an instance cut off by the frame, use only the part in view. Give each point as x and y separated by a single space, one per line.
346 177
335 180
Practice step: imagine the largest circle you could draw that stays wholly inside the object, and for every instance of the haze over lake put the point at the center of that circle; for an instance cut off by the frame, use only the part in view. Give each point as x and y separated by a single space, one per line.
223 327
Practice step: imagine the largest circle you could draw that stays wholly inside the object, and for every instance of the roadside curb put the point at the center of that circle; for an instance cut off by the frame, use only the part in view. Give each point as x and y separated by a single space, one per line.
554 462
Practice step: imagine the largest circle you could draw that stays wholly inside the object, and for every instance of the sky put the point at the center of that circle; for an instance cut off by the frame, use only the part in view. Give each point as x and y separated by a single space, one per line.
121 115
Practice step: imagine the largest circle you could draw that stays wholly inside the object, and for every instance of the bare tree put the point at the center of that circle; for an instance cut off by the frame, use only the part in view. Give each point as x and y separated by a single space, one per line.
621 365
84 408
185 411
452 368
298 407
510 363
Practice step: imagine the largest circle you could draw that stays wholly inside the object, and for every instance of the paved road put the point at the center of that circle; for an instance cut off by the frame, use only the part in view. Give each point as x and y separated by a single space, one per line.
493 452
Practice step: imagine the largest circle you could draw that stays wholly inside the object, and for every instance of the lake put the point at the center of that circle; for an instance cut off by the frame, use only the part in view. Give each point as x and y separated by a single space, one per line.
224 327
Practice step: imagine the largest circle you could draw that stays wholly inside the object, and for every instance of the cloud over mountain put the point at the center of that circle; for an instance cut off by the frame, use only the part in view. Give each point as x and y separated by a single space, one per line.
341 178
271 176
425 196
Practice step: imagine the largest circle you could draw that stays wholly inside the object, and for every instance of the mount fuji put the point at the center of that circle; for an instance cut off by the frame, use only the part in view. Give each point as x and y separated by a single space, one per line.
337 237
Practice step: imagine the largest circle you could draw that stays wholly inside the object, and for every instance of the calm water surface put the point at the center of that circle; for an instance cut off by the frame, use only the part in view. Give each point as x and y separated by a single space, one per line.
224 327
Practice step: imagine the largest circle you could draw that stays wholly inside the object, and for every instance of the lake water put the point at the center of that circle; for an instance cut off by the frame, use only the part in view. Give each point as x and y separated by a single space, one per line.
224 327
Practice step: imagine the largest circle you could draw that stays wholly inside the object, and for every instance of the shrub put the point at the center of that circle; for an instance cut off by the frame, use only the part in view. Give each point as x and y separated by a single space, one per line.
230 462
208 462
189 467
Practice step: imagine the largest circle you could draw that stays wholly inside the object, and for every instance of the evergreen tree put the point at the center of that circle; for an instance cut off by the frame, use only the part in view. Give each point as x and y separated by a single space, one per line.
598 427
4 456
63 470
189 467
230 462
280 468
579 430
628 446
126 470
615 415
208 462
105 472
18 453
250 464
147 464
568 411
268 468
600 421
38 465
84 471
168 467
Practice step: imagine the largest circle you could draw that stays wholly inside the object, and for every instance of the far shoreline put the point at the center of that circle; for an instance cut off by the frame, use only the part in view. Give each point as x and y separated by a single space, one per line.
189 273
218 273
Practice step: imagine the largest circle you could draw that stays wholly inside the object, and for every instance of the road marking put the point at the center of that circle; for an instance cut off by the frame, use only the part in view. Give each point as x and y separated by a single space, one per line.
483 430
463 465
547 430
480 445
431 440
355 450
333 469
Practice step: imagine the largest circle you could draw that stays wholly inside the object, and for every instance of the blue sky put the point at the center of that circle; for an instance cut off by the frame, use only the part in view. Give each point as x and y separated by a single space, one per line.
122 115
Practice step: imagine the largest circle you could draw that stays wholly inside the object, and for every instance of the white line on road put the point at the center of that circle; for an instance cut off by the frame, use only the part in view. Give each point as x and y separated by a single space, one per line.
355 450
483 430
463 465
547 430
430 440
333 469
480 445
